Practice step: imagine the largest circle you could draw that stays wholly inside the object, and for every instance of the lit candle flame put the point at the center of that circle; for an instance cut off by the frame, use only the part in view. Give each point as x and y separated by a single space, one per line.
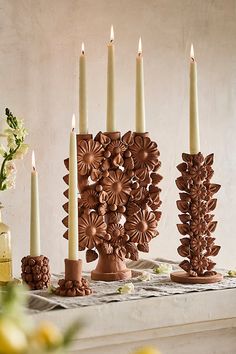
82 48
140 46
73 122
112 34
33 161
192 52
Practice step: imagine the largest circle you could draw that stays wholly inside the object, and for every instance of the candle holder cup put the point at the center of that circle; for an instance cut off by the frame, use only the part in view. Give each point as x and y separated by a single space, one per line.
196 205
73 284
119 199
36 272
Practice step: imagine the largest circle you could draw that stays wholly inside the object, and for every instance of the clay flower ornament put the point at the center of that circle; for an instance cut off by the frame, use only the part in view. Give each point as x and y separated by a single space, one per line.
16 149
141 227
198 208
89 199
198 244
117 233
198 192
199 264
92 230
90 154
117 187
198 173
144 152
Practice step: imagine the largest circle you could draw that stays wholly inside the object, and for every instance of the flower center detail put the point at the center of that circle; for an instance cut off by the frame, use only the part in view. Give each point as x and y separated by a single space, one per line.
142 226
143 155
117 187
88 157
91 230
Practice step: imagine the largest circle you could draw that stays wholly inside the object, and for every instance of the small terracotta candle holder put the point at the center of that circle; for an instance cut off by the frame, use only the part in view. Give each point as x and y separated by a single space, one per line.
119 199
196 205
36 272
73 284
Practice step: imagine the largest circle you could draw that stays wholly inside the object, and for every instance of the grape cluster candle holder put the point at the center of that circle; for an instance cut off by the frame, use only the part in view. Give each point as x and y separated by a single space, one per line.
196 205
36 272
119 199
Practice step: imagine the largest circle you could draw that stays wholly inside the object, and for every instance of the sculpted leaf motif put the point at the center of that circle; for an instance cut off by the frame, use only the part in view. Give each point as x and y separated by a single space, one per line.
182 167
181 183
214 188
184 218
212 205
187 157
143 247
91 256
209 159
185 265
128 138
185 241
182 206
183 228
185 197
184 251
212 226
215 250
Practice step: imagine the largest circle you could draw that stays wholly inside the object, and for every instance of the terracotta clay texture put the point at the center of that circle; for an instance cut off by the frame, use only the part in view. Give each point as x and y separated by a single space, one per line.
119 199
73 284
36 272
196 205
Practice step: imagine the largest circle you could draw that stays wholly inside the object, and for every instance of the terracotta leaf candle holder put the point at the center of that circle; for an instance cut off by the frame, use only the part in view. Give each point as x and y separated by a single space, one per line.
119 199
73 284
36 272
196 204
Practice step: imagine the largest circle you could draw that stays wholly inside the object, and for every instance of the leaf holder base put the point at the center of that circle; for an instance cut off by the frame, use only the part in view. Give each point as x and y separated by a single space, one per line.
73 284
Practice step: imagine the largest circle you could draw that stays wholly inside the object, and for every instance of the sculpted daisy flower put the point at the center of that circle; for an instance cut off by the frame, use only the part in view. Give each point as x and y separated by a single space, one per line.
92 230
117 187
116 231
144 152
198 192
198 244
116 147
89 198
198 173
141 227
198 208
90 154
199 264
198 227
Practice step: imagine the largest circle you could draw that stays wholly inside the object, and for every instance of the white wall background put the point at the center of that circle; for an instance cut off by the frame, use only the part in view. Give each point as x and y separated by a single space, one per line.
40 42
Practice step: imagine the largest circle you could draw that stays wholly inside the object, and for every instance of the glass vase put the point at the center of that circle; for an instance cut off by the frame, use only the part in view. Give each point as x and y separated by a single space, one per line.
5 252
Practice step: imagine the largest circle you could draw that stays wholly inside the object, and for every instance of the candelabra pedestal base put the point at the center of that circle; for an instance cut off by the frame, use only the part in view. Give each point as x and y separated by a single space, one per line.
110 268
73 284
36 272
183 277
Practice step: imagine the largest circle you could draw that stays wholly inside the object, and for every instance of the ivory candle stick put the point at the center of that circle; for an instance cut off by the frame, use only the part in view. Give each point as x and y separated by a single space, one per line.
73 200
194 136
140 99
83 113
34 213
111 124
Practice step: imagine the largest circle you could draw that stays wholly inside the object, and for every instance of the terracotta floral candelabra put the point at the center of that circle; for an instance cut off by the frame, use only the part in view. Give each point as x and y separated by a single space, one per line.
119 199
196 205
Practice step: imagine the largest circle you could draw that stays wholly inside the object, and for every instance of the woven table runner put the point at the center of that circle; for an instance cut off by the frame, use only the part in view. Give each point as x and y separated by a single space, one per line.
106 292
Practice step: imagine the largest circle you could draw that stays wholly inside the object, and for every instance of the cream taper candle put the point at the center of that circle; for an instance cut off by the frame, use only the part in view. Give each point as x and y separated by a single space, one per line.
34 213
111 125
194 137
140 99
83 114
73 197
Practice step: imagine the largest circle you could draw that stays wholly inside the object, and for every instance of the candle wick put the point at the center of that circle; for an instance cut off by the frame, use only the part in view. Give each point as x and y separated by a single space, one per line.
73 129
34 169
192 59
111 41
139 54
83 52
